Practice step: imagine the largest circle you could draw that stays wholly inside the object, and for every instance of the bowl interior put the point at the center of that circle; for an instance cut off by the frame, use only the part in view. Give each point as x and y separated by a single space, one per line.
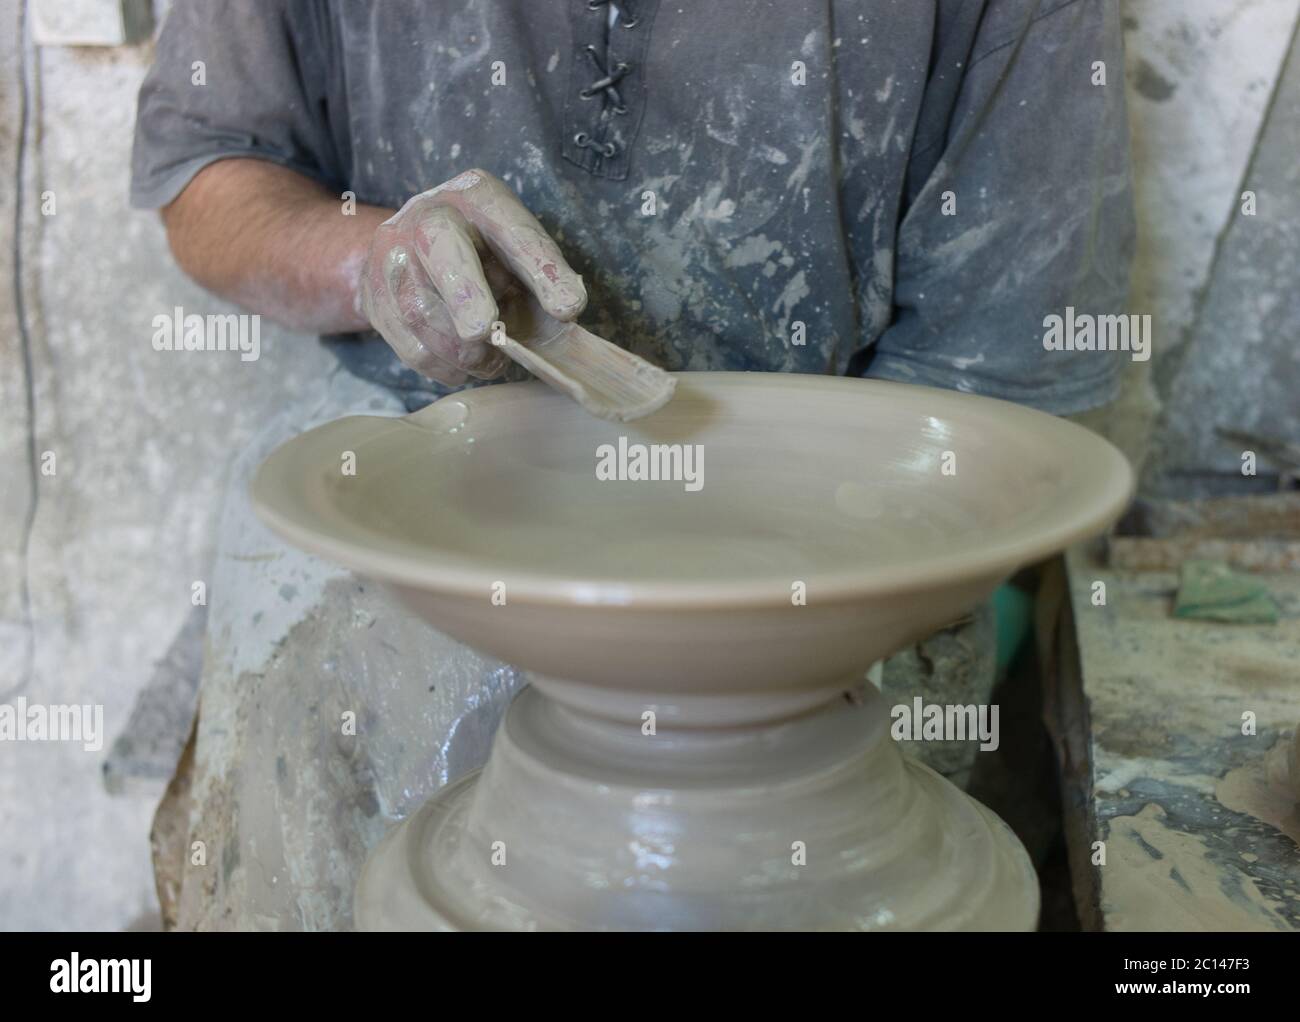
744 482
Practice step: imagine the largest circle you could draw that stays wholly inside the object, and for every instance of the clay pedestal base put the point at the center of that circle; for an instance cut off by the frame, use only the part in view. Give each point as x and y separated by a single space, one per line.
815 822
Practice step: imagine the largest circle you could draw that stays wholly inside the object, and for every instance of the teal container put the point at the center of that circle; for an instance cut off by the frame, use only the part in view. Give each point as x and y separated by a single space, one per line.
1013 610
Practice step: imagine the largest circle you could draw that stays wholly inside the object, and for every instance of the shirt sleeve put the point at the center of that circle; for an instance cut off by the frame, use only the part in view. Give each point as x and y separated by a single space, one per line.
1022 208
233 78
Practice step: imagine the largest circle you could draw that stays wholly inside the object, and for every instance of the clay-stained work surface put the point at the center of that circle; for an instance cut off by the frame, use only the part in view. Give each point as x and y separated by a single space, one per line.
1200 822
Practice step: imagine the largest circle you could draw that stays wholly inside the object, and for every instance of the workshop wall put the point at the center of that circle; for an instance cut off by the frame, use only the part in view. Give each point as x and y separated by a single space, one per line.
141 441
1214 108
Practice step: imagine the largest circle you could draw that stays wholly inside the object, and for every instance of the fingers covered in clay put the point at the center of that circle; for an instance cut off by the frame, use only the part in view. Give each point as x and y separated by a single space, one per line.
425 291
401 302
517 239
444 244
439 270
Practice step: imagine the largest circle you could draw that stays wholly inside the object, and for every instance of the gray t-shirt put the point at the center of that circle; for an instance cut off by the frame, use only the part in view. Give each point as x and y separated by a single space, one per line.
894 188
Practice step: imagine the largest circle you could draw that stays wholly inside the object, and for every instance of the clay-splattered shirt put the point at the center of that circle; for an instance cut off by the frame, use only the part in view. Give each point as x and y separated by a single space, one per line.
894 188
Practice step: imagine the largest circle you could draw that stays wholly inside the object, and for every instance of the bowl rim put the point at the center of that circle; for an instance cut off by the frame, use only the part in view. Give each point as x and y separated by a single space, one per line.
467 575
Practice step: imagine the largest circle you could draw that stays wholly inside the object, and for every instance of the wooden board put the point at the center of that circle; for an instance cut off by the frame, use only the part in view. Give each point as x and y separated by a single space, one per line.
1197 820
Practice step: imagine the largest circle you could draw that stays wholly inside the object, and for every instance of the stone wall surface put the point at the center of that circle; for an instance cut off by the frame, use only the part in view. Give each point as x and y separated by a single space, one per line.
142 441
1239 368
1201 76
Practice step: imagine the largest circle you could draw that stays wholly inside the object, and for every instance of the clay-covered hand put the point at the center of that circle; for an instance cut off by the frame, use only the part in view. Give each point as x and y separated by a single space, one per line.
453 261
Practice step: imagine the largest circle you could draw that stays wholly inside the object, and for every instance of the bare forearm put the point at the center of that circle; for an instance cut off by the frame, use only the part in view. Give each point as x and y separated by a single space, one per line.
275 242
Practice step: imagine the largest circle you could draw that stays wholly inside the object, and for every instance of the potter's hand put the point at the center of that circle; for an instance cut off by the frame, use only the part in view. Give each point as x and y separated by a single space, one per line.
449 264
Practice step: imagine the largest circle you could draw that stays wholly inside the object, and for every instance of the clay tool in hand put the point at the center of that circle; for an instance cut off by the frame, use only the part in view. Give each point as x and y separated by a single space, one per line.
608 381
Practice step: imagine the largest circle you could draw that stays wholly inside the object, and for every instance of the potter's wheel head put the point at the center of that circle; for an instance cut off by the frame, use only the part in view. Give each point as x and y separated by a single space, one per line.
811 525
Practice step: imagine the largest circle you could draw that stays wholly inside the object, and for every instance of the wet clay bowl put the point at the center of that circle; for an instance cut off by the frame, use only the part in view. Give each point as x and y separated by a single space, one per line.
828 522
